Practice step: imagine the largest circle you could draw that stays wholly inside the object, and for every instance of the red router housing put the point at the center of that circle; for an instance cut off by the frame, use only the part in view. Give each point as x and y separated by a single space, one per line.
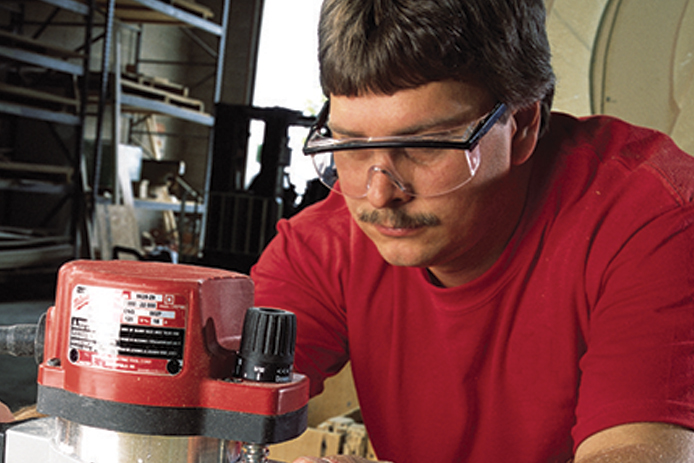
150 348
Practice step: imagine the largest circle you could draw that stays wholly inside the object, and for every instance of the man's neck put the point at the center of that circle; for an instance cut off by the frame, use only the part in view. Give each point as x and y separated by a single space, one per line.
484 254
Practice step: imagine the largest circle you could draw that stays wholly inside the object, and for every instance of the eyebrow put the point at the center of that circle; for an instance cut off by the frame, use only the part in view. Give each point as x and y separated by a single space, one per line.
439 125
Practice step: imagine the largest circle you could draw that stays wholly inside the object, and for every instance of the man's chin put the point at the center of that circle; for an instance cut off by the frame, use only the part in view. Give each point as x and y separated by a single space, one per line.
408 258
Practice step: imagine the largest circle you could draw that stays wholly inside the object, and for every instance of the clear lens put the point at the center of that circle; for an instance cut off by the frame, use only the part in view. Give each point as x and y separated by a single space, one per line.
423 172
325 167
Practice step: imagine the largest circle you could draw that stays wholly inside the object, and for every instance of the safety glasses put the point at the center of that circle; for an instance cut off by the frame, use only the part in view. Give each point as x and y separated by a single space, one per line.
422 165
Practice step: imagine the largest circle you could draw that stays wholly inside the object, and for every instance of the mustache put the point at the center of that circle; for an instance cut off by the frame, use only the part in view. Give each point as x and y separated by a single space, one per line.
398 219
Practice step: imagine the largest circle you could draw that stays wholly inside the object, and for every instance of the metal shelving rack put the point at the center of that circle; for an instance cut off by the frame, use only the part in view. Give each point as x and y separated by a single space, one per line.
100 97
41 198
115 94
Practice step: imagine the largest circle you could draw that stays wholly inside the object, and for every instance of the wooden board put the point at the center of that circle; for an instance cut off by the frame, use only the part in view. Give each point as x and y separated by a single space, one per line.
155 93
24 170
192 6
159 83
116 226
36 46
36 97
130 10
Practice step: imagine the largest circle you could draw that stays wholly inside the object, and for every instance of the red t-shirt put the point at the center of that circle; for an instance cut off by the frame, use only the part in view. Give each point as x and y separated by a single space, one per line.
586 321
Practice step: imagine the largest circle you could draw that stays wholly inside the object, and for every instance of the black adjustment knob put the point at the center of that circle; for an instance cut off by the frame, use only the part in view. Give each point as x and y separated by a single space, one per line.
267 345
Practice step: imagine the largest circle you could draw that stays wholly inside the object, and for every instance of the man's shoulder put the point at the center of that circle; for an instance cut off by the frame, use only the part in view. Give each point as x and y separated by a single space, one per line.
325 227
329 213
629 147
320 246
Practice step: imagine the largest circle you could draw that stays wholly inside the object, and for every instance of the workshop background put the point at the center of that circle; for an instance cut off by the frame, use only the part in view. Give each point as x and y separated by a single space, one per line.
172 132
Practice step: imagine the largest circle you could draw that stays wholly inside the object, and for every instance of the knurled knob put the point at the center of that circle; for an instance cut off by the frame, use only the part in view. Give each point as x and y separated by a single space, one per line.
267 345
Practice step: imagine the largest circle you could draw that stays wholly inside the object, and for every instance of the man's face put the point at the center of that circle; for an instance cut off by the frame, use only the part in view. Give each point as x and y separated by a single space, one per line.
461 232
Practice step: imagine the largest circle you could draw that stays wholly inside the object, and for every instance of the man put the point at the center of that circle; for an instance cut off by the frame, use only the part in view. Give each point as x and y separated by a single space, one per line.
508 286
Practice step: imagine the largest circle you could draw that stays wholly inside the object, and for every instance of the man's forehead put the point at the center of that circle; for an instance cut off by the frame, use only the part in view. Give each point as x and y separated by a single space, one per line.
437 106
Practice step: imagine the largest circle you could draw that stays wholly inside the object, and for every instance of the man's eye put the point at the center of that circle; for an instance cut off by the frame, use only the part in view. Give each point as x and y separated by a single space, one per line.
424 156
360 155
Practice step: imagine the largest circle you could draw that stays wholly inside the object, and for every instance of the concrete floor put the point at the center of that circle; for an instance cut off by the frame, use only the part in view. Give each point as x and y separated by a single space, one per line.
18 374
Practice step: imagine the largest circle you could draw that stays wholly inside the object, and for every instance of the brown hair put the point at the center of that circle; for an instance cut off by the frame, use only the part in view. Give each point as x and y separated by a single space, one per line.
383 46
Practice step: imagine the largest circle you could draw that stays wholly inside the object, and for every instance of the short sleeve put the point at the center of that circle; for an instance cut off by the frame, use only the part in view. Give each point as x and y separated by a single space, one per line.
639 360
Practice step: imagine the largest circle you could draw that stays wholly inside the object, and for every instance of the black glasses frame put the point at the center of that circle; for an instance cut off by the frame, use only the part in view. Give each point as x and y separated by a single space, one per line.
480 131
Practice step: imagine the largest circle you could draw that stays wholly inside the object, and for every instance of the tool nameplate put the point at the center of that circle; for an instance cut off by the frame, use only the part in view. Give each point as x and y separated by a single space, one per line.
126 330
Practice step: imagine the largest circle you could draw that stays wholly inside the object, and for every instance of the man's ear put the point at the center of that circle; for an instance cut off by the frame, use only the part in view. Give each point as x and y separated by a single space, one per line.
527 128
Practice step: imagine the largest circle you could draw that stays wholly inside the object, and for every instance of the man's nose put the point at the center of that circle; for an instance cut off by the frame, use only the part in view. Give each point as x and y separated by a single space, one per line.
383 188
